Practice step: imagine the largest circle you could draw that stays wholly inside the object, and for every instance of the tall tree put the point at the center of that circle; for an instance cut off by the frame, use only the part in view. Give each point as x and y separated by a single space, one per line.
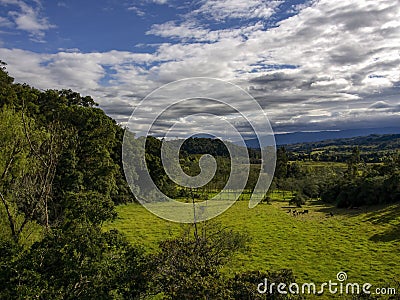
282 161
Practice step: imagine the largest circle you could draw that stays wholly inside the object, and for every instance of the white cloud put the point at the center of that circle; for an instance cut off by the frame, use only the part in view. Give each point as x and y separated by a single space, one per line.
193 31
184 31
68 49
4 22
137 11
84 73
237 9
28 18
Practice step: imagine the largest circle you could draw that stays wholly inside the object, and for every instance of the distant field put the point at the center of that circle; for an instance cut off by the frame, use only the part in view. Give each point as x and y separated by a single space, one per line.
364 243
331 164
323 164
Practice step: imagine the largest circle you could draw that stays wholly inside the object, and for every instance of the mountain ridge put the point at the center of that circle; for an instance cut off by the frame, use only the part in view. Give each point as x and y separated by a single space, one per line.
306 137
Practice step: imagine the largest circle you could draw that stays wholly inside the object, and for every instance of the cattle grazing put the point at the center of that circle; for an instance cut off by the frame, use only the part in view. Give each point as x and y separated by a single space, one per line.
330 214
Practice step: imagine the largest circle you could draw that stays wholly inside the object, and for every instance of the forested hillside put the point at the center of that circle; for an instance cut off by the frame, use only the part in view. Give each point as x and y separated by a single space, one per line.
60 177
373 148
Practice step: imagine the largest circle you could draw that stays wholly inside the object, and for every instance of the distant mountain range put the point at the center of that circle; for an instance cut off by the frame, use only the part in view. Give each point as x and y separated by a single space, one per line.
304 137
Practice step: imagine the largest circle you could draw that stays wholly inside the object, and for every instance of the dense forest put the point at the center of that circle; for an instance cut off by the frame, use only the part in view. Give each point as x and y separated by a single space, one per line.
61 176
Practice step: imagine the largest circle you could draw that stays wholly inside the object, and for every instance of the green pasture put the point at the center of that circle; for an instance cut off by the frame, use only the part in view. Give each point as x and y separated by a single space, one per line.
364 243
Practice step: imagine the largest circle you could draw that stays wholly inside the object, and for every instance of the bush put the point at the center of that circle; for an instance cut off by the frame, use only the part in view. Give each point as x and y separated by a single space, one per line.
299 199
189 267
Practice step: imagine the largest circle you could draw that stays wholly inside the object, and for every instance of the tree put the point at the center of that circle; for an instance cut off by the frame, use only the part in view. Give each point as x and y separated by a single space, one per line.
353 163
294 170
281 169
28 156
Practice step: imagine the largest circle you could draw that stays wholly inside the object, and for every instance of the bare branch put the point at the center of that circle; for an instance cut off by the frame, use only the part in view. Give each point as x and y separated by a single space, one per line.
28 137
10 218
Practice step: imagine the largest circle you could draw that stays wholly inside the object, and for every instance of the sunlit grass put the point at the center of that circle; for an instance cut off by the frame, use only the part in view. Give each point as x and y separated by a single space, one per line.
365 243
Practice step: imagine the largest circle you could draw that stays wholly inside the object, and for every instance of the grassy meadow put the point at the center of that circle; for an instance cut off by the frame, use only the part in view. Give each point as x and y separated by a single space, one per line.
364 243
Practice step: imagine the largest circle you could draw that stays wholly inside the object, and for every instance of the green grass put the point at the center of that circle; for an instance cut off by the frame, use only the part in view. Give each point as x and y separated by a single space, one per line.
365 243
281 195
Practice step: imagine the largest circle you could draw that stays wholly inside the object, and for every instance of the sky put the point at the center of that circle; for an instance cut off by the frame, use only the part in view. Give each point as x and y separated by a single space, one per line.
310 64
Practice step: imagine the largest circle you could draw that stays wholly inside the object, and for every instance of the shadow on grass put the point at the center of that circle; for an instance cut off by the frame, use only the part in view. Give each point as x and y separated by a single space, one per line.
390 235
328 208
376 214
387 215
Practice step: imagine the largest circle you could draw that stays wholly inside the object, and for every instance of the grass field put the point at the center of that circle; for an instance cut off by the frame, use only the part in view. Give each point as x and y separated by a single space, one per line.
364 243
323 164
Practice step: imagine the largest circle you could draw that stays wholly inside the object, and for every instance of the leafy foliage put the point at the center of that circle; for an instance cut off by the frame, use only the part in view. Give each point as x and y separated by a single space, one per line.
78 262
189 267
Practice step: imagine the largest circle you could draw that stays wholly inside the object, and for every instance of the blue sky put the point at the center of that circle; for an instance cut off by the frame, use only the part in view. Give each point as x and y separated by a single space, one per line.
311 64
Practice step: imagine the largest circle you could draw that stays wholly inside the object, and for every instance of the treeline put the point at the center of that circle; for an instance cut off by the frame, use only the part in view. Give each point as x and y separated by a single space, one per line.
190 154
215 147
303 182
366 185
359 184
